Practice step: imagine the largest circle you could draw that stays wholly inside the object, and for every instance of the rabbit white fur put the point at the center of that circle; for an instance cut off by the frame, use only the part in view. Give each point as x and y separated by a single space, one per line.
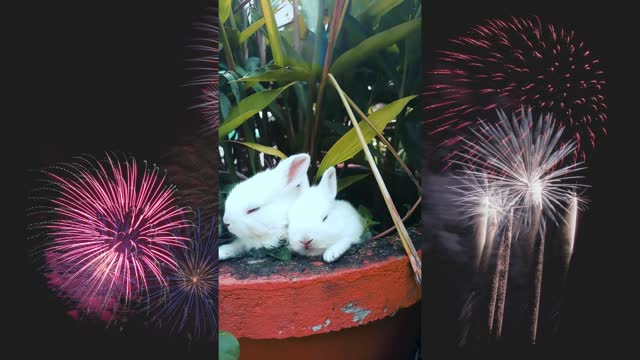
321 225
256 209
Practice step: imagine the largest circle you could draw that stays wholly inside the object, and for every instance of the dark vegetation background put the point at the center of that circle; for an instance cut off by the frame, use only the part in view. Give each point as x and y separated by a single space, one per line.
595 312
100 76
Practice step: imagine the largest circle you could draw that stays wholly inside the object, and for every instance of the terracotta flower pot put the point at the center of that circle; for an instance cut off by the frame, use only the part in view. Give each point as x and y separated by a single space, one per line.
363 306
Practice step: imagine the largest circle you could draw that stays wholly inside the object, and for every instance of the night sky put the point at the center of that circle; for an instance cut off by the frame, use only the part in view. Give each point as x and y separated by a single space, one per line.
102 77
589 315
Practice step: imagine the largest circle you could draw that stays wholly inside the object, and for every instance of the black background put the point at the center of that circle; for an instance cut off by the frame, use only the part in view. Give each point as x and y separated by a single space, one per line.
106 76
100 76
595 314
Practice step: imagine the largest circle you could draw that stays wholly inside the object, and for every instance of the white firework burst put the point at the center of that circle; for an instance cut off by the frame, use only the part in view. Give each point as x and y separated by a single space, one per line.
485 204
525 159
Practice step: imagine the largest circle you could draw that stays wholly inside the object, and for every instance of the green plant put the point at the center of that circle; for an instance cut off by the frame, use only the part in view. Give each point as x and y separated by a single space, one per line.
228 346
276 98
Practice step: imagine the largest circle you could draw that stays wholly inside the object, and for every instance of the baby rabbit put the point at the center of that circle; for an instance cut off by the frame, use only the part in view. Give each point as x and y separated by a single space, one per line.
320 224
256 209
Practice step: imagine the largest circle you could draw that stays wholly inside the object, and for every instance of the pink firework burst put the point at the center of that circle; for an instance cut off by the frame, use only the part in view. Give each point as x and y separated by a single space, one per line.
113 228
509 63
97 303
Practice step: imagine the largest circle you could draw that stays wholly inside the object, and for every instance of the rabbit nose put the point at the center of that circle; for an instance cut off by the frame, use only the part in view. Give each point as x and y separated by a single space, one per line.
306 242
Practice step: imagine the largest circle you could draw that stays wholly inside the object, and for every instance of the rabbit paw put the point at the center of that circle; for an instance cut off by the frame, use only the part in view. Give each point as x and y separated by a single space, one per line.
226 251
332 253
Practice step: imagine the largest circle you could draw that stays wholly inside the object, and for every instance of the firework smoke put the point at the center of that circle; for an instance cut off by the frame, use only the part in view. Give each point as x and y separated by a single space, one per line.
193 165
111 231
206 67
507 63
189 302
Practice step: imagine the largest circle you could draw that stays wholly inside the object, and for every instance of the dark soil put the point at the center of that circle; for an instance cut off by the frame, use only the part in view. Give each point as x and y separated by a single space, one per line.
260 264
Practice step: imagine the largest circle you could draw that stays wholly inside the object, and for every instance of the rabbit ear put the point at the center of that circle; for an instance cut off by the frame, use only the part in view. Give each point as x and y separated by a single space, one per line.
329 183
295 167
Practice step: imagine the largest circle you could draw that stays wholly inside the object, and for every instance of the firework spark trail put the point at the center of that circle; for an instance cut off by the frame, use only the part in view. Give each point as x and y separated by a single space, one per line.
569 232
537 287
112 229
188 303
506 63
502 274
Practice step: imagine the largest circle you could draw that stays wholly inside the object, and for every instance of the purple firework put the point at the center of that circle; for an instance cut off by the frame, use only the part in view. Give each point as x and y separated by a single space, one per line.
188 304
509 63
112 231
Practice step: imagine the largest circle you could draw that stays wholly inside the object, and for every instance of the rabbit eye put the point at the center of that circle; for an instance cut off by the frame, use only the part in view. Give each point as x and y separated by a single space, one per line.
325 218
253 210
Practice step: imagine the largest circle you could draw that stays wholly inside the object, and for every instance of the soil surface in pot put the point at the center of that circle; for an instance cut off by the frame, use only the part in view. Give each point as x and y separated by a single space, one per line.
259 264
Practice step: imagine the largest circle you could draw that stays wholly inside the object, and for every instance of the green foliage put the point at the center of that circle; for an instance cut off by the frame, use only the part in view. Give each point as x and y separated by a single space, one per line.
275 98
228 346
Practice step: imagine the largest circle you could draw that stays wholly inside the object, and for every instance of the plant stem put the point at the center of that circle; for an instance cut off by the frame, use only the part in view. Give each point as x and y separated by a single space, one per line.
241 5
227 49
382 138
272 32
415 261
336 24
404 166
296 26
228 161
389 160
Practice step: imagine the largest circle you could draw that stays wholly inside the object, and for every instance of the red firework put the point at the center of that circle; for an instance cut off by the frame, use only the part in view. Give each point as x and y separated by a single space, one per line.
113 230
510 63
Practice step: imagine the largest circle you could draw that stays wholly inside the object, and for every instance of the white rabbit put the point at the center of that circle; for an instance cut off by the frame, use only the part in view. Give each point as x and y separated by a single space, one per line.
256 209
320 224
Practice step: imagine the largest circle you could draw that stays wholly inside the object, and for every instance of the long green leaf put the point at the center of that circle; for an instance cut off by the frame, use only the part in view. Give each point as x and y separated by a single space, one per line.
262 148
231 80
224 10
225 105
251 29
276 73
246 33
378 8
272 32
369 47
228 346
349 145
248 107
348 180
